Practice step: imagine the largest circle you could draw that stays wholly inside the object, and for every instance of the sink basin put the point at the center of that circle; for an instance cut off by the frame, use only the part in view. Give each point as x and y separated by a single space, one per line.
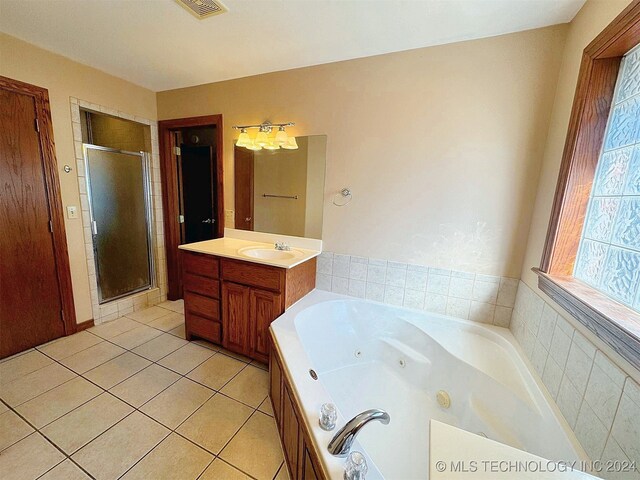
268 253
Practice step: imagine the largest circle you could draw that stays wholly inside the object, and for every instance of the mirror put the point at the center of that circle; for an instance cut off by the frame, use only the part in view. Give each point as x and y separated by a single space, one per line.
281 191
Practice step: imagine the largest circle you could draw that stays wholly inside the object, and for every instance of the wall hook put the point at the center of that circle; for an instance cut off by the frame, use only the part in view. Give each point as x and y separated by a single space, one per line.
345 193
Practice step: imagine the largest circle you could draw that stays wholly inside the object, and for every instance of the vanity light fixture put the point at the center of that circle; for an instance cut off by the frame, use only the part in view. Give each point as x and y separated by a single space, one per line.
291 144
263 138
243 139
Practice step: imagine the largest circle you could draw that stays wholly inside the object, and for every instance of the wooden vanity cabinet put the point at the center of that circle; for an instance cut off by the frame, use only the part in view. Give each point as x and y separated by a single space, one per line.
254 295
232 302
300 456
201 280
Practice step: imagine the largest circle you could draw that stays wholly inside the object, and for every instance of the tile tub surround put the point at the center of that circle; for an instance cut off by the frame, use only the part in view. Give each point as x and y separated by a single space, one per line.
600 402
132 399
121 307
482 298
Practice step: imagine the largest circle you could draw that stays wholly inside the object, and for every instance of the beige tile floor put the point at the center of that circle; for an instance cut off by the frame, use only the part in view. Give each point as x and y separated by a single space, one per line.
132 399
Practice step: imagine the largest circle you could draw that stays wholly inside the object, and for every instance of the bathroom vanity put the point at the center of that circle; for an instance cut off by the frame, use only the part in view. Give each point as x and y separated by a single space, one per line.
234 289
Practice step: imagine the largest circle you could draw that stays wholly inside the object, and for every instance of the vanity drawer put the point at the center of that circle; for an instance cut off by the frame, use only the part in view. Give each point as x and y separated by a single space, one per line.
202 285
201 264
201 306
203 328
253 274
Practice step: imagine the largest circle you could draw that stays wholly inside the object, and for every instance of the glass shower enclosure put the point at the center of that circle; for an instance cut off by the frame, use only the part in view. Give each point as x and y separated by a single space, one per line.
118 186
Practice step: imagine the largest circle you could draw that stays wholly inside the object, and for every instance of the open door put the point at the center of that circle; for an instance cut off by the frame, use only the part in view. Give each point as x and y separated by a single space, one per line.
192 187
198 197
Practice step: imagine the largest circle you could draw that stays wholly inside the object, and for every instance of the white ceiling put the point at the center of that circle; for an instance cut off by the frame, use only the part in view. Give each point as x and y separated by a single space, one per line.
159 45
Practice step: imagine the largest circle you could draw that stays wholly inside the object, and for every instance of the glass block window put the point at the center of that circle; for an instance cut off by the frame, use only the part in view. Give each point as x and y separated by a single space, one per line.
609 254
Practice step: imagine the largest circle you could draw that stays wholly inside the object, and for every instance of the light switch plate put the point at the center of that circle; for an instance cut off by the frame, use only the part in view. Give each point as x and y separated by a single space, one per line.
72 211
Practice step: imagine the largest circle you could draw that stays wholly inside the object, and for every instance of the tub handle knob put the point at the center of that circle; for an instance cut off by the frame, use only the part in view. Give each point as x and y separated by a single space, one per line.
356 467
328 416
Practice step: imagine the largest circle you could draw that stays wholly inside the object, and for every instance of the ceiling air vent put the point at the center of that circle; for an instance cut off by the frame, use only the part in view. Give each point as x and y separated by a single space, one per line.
203 8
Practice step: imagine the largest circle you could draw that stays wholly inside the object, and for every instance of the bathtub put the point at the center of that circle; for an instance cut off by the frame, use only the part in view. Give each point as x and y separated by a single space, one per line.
370 355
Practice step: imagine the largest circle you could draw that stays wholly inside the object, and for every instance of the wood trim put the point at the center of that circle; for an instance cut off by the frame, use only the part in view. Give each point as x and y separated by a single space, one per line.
612 322
169 177
619 36
581 152
84 325
63 269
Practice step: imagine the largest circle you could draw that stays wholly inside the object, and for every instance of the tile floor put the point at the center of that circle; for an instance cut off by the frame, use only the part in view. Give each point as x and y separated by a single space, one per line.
132 399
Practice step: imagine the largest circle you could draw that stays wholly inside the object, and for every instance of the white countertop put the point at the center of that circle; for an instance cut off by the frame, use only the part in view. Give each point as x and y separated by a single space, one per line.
229 248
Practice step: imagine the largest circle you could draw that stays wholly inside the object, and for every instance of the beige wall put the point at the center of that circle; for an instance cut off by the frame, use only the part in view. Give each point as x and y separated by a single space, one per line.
441 146
65 78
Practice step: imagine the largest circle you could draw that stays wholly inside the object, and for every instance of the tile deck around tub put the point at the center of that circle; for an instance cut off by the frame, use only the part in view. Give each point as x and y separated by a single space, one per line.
132 399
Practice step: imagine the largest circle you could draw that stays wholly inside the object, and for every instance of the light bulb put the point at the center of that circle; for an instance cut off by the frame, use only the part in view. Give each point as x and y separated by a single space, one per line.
291 144
261 139
243 139
281 137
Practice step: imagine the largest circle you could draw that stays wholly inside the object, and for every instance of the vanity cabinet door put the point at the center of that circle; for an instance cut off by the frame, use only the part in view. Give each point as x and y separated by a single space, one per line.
235 312
308 469
290 433
265 308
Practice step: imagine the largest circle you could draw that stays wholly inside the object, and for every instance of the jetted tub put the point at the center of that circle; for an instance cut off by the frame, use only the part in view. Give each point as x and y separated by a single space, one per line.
369 355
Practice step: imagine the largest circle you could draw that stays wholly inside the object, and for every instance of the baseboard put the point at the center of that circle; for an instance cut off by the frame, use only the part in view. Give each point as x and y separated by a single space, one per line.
84 325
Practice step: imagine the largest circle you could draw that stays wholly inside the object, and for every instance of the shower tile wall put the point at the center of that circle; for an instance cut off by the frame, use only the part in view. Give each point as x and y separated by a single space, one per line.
481 298
118 308
599 400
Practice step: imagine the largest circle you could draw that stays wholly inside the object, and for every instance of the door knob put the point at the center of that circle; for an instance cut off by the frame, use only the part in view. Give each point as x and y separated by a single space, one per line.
247 219
208 220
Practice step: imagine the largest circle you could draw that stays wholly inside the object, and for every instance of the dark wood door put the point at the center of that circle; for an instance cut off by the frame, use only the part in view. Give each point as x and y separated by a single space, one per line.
243 181
235 314
31 301
265 308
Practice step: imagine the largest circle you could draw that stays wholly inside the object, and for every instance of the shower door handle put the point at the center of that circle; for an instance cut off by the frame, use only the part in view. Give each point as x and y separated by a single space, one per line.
94 227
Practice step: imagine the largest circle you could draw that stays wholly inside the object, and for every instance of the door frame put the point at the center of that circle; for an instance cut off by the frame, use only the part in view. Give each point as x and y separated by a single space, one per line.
169 178
54 197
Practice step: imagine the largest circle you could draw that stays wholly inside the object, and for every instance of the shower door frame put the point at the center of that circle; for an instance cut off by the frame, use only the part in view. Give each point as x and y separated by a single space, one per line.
146 174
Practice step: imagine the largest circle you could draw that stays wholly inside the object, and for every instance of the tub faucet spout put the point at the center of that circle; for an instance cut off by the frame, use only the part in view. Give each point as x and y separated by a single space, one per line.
340 444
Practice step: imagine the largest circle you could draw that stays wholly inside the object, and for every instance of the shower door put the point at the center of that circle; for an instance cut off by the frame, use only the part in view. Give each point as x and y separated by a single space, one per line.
119 203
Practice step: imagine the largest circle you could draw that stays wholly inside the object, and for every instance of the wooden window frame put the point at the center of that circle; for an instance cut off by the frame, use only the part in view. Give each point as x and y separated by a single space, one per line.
615 324
169 178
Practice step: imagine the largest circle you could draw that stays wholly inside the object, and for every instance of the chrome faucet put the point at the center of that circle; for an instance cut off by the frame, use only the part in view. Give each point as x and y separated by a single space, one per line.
282 246
340 444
